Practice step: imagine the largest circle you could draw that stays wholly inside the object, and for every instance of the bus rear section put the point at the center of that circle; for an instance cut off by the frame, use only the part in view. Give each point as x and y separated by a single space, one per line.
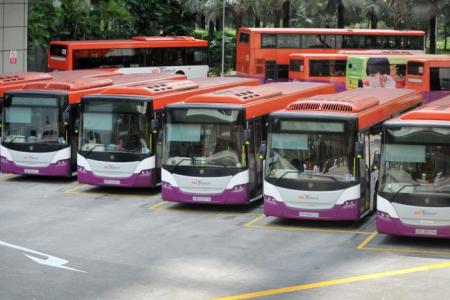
329 68
121 129
323 153
376 71
414 194
40 129
431 75
212 142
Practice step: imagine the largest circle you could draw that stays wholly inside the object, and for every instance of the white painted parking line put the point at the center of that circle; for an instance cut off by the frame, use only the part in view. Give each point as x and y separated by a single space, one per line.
51 261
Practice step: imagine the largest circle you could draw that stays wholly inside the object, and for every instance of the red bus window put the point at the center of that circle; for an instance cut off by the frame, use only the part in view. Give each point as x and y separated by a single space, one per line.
244 37
296 65
415 68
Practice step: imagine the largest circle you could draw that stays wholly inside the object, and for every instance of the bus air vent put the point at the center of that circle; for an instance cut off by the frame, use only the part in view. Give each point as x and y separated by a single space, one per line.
333 103
23 77
71 86
172 86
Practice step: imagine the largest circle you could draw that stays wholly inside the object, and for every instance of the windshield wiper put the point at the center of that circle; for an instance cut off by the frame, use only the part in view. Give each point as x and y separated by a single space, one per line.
285 173
322 176
91 149
11 140
180 161
401 189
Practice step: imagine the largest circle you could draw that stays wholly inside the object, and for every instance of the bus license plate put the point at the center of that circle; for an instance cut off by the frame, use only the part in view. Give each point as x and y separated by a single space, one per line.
31 171
308 214
108 181
426 231
204 199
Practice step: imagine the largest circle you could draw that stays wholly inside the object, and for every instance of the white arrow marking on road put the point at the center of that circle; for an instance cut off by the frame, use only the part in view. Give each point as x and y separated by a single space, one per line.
51 261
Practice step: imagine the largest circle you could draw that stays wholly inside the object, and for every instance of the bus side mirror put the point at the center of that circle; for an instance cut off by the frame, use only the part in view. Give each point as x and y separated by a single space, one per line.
247 136
160 137
359 150
262 151
376 161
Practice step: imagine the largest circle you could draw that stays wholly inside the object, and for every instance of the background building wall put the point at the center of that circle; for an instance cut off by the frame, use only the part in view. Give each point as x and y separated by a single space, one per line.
13 35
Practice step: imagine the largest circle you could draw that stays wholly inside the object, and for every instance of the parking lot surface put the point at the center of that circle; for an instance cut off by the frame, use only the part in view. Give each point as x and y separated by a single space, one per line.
63 240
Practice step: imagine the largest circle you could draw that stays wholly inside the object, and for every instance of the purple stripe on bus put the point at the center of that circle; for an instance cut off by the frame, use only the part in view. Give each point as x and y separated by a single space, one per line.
431 96
61 169
337 213
147 180
174 194
394 226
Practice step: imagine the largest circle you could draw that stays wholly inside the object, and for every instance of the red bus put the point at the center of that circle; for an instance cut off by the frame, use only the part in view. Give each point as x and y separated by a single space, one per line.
319 68
264 52
430 74
154 54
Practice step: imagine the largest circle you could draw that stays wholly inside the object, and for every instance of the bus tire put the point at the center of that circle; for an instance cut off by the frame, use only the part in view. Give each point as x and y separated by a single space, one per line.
179 72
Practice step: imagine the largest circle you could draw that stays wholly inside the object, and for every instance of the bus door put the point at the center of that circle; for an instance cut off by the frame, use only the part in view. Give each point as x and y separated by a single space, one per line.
271 70
257 139
364 170
71 127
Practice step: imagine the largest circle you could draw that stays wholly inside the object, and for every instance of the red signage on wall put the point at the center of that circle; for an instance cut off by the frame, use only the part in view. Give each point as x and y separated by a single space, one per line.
13 57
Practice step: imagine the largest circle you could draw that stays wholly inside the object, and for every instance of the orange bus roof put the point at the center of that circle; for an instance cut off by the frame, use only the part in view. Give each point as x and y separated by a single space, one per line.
263 99
15 81
370 105
438 110
345 54
136 42
334 31
76 86
171 91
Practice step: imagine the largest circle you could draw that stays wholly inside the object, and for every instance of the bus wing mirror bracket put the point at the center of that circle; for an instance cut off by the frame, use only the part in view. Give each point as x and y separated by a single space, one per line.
154 126
262 151
76 127
247 136
359 149
376 161
66 116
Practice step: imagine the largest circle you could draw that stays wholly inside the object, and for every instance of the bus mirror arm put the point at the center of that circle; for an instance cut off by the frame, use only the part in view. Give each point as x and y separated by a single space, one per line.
154 126
262 150
247 136
66 116
76 126
359 150
376 162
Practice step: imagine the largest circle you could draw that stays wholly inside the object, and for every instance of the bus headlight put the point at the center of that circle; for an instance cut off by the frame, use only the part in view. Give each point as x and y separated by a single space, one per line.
80 169
351 202
145 172
269 198
383 214
239 188
62 162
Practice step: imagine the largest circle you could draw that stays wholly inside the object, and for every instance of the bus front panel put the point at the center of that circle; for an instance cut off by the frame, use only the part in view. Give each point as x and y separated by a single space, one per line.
35 140
414 193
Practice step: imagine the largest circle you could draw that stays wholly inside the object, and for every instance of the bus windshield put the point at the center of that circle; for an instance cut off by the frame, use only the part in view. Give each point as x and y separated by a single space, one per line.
33 120
416 161
115 126
204 138
311 155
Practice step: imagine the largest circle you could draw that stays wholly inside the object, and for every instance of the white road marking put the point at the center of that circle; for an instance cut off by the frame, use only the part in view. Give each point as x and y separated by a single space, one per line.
51 261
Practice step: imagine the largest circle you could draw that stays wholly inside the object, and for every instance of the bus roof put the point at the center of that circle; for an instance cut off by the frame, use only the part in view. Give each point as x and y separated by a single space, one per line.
135 42
14 81
437 61
171 91
334 31
76 84
370 106
263 99
438 110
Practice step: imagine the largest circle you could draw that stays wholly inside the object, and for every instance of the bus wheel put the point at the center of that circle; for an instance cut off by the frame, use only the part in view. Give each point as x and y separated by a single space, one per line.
179 72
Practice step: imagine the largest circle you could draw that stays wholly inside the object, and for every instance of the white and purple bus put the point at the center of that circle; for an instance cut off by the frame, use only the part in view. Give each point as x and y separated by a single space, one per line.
212 142
120 129
39 122
414 194
321 153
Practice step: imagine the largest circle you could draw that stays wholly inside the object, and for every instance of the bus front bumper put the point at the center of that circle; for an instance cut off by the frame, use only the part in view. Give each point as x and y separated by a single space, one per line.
348 211
145 179
235 196
62 168
394 226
